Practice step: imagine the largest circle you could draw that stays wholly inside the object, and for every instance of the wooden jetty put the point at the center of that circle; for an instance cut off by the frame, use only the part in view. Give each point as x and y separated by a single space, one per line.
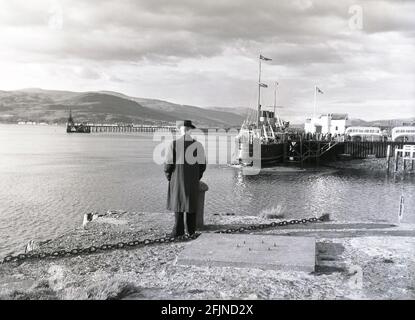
85 127
129 128
301 150
99 128
379 149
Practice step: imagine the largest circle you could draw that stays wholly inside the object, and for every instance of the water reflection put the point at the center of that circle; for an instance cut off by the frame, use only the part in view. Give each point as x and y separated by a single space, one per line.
345 195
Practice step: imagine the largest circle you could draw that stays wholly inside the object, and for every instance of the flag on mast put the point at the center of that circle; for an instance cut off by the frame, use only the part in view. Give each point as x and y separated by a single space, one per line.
264 58
318 90
263 85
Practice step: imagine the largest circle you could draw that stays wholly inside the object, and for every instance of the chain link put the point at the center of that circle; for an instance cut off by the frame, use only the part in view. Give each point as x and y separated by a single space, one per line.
274 224
147 242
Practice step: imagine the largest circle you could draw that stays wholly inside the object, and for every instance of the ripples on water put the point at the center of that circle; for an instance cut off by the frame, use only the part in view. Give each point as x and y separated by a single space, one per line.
49 179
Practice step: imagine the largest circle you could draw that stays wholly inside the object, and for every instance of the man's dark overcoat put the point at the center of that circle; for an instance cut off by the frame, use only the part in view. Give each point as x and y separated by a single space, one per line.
184 167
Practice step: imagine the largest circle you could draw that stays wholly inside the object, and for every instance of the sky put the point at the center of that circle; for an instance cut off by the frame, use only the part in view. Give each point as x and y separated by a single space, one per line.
205 52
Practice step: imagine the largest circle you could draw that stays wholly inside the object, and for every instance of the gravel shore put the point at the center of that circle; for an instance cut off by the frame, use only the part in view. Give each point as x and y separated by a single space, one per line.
354 261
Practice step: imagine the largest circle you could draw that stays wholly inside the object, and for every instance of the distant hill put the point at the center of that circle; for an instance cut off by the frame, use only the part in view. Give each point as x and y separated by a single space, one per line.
381 123
393 122
357 123
104 106
52 106
242 111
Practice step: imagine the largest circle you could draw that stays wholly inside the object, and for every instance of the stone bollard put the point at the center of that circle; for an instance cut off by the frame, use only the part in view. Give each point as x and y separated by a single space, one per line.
203 187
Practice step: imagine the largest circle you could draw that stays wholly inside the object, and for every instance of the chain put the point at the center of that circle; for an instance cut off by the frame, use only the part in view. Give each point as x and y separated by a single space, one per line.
274 224
94 249
147 242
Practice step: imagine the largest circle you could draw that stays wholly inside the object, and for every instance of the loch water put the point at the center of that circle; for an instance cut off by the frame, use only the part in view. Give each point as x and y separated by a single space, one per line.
49 179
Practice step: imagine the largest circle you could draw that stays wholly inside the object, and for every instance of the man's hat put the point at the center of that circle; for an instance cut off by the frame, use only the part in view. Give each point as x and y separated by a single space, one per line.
185 123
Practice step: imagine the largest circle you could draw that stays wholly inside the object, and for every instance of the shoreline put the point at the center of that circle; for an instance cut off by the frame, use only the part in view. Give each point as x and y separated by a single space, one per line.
369 165
354 260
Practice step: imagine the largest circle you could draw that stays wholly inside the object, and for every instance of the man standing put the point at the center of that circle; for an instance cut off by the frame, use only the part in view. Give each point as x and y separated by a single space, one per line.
184 167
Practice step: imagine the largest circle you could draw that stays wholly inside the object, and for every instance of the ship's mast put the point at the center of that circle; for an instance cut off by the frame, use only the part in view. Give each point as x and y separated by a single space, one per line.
261 57
275 97
259 92
315 102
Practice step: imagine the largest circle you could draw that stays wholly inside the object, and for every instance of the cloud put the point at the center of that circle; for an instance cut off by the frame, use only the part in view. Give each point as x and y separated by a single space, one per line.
204 52
134 30
87 73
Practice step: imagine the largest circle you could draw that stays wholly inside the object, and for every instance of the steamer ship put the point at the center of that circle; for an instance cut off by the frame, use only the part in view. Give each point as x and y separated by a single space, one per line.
262 131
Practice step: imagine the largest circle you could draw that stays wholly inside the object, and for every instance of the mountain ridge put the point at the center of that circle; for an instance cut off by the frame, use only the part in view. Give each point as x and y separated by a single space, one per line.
52 106
40 105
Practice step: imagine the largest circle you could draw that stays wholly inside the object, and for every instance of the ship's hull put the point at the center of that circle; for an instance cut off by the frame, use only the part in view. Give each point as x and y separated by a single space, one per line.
270 153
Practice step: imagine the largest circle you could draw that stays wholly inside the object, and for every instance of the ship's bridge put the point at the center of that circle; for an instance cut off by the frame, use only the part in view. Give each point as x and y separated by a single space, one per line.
364 133
405 134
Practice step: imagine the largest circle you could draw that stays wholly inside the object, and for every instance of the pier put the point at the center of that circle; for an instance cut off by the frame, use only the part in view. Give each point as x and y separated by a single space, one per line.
300 150
111 128
116 128
360 150
128 128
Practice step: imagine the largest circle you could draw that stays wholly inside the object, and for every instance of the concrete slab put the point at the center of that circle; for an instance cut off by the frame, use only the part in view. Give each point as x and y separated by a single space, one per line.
251 251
